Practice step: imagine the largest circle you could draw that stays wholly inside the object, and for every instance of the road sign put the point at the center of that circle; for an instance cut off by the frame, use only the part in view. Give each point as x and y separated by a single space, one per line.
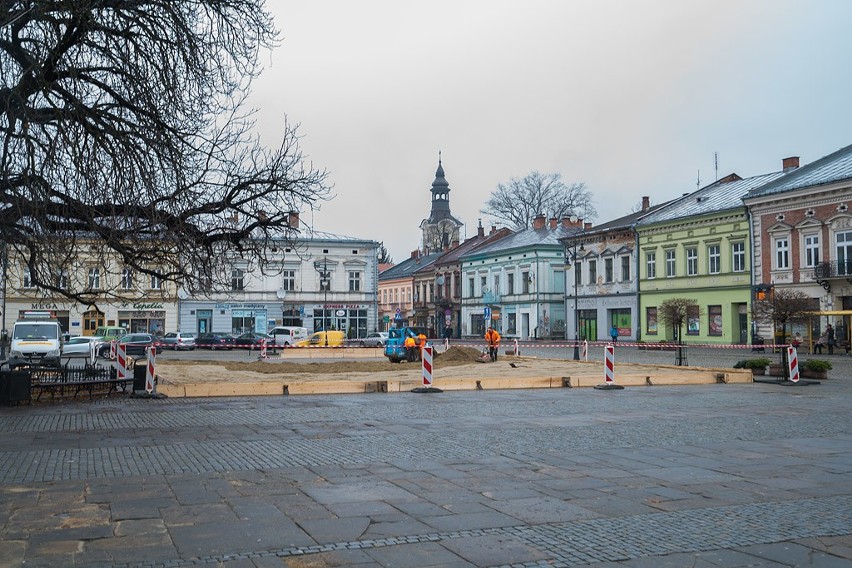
386 319
487 312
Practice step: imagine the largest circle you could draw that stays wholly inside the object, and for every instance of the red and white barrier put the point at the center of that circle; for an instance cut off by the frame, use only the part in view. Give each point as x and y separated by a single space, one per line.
149 370
263 349
585 350
793 363
112 353
446 343
609 364
517 349
121 361
427 365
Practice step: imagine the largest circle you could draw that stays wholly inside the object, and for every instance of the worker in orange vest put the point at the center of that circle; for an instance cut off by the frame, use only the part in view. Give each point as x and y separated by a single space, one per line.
492 338
421 342
410 349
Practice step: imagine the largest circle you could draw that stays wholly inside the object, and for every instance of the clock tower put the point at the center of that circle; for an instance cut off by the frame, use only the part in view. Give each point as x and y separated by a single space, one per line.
441 229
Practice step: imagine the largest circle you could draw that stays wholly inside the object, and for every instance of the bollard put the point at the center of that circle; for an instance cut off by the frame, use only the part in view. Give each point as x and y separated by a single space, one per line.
112 350
517 349
427 365
121 361
149 370
609 364
263 349
793 363
446 344
585 350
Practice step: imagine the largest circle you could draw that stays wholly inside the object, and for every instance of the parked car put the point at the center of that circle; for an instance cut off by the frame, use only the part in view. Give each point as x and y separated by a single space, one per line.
215 341
80 346
285 335
178 340
252 339
109 332
324 339
135 344
375 339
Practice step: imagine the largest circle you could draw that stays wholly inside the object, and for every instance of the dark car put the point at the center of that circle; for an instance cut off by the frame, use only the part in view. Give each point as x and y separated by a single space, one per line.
215 341
252 339
135 343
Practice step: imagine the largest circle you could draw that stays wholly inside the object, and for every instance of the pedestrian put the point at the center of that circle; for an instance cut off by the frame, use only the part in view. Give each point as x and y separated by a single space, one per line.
614 334
821 342
421 343
492 338
829 331
410 349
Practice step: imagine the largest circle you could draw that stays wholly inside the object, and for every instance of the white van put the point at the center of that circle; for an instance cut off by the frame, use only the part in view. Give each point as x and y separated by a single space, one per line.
34 336
287 336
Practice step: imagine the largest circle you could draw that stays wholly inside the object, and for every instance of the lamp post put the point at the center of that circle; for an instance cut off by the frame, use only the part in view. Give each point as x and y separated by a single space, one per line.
571 260
325 282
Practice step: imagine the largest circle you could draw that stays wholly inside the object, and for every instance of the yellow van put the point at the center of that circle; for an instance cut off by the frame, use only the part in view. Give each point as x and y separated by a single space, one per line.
323 339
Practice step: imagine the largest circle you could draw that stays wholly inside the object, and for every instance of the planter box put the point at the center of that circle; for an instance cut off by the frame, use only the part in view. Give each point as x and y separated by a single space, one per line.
806 374
758 371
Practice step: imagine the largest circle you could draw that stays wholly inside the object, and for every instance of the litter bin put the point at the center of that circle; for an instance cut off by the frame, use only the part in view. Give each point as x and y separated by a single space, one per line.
139 368
15 387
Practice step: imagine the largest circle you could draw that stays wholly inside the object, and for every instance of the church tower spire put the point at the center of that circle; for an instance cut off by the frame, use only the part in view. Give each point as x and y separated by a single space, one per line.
441 228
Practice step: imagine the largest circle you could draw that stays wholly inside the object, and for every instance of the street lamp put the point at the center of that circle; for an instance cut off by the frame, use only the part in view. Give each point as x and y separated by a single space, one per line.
325 282
571 259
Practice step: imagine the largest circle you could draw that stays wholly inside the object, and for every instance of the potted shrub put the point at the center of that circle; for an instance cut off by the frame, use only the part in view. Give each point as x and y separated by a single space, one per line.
815 369
757 366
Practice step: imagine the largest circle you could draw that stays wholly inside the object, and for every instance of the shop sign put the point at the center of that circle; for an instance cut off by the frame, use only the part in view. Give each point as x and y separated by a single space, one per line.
340 313
241 306
47 306
346 306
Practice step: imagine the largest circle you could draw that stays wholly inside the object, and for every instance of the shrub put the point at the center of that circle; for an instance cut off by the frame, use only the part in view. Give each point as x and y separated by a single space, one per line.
758 363
816 365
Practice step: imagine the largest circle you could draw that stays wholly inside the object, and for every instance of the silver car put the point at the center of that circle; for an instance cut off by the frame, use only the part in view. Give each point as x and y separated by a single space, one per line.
80 346
375 339
178 340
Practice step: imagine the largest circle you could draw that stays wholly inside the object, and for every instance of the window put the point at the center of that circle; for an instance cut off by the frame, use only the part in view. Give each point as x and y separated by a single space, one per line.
844 252
671 263
61 279
510 284
288 280
27 278
525 282
354 281
714 259
324 280
692 261
593 272
608 273
156 282
496 289
237 280
127 279
471 291
782 253
811 250
483 284
625 269
94 278
651 265
738 257
578 274
715 323
693 320
651 321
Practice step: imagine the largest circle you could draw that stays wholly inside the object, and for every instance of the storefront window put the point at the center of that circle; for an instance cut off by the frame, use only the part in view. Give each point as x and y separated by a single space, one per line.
651 321
244 321
715 318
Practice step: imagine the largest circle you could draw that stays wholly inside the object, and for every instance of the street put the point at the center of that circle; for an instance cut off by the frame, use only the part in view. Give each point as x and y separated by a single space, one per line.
720 475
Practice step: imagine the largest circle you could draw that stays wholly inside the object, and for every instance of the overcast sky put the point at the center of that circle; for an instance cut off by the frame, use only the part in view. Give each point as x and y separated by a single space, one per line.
631 97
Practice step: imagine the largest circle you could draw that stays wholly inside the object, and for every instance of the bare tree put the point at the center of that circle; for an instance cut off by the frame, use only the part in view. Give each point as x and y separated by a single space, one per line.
124 136
384 255
674 313
518 202
780 307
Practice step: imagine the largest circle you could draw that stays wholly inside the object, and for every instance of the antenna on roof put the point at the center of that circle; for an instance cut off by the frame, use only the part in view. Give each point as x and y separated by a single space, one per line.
716 159
698 180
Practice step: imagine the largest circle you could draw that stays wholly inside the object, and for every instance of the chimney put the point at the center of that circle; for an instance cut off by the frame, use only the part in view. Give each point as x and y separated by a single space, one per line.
569 223
790 163
480 230
552 223
587 226
415 253
646 203
539 221
293 219
455 243
493 229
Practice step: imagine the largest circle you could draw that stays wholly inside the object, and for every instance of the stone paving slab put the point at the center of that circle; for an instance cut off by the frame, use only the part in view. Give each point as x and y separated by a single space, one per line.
718 475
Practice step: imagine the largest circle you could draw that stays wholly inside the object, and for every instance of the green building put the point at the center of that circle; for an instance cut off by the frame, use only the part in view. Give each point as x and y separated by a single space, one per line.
699 247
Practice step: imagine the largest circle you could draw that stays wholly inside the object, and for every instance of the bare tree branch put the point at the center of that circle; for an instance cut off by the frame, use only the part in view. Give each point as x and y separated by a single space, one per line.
518 202
124 136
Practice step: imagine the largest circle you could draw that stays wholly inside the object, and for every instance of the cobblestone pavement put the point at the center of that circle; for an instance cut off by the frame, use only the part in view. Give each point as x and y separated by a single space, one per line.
703 476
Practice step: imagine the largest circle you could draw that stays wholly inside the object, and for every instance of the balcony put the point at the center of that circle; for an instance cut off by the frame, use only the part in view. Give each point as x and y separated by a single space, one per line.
833 269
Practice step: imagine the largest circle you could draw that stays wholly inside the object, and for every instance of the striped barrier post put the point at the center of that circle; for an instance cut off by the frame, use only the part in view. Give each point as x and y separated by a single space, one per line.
427 365
263 349
517 349
149 370
121 361
793 363
585 350
112 350
609 364
446 343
